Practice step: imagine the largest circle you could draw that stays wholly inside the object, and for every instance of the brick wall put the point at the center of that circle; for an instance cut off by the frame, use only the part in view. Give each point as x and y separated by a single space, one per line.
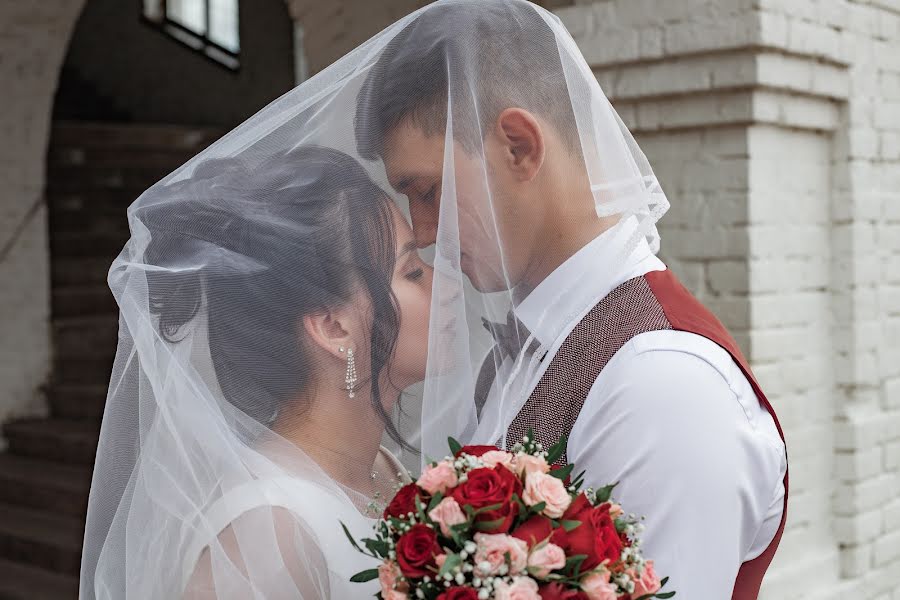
773 126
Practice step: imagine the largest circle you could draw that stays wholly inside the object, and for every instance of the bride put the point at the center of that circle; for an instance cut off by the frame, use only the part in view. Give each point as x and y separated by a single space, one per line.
272 313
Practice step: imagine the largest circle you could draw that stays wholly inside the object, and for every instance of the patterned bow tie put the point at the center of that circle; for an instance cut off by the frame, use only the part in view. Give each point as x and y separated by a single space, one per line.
510 336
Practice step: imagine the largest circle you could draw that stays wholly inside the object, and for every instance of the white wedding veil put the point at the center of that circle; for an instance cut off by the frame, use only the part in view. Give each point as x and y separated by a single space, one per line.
238 431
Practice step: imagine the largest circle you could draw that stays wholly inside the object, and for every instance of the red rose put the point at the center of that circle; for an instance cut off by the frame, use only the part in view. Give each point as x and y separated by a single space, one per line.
533 531
476 450
403 502
416 550
579 504
557 591
596 536
491 487
459 593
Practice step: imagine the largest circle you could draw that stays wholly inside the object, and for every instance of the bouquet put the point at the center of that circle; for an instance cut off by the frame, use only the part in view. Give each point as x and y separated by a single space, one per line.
489 524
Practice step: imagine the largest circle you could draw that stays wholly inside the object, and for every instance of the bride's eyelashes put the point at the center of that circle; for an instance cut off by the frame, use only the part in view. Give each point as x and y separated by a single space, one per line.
428 197
415 274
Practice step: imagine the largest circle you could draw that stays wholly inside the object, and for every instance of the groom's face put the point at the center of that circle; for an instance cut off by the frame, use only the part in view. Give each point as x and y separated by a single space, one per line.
416 165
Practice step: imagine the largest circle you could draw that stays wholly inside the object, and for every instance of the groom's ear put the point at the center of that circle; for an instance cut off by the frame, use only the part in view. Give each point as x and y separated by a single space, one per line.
523 142
329 331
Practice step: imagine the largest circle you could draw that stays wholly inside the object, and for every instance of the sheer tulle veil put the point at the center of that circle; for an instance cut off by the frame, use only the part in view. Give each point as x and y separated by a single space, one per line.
239 431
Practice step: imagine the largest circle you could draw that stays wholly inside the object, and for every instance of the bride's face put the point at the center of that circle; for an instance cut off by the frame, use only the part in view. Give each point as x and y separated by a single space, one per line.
411 284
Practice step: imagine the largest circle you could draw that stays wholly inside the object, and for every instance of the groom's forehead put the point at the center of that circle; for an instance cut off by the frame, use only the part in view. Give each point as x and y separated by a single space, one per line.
410 154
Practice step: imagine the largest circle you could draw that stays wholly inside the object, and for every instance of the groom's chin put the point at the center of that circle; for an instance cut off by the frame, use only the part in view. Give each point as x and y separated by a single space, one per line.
482 280
489 286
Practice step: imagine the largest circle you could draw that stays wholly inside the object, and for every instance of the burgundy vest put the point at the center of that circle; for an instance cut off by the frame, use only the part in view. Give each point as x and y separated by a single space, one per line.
652 302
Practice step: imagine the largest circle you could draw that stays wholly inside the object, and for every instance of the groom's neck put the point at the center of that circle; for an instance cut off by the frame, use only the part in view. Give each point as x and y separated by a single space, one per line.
571 223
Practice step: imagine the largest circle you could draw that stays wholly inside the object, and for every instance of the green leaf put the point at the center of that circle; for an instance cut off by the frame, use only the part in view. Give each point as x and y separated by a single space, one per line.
455 446
487 508
666 595
604 493
364 576
453 561
563 472
539 507
578 480
377 547
488 525
435 500
570 525
574 563
350 537
557 450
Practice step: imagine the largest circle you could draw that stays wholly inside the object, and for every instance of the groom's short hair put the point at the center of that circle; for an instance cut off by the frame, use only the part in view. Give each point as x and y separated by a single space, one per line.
487 55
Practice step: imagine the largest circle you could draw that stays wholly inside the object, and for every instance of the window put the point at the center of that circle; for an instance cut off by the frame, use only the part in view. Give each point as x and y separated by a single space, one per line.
208 26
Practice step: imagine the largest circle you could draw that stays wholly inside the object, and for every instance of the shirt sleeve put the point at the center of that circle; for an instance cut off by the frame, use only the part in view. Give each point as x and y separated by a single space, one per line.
669 426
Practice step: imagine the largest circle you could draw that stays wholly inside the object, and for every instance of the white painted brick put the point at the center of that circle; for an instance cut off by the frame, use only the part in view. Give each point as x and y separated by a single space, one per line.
651 42
860 432
892 456
886 549
772 29
856 466
856 560
794 274
891 394
868 495
891 512
728 276
890 85
888 115
683 38
859 528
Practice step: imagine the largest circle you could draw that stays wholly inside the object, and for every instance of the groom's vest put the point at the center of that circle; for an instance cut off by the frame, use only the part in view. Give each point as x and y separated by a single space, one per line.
653 302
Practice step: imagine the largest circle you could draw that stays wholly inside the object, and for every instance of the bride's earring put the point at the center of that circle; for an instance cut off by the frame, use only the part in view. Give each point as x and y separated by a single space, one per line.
350 378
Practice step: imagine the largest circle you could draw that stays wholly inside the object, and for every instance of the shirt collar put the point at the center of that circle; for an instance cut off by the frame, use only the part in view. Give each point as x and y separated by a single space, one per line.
581 281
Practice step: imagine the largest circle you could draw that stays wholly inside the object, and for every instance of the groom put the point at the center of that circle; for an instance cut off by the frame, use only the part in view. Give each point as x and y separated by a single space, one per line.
646 383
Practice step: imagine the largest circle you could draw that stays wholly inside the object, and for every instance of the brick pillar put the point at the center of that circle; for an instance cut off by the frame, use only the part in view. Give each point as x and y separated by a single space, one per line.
774 127
33 39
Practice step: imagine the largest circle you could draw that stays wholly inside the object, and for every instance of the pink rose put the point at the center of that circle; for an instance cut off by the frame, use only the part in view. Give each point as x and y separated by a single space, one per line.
498 457
647 583
491 553
615 511
438 478
439 560
446 514
526 464
388 574
596 586
540 487
395 595
521 588
546 558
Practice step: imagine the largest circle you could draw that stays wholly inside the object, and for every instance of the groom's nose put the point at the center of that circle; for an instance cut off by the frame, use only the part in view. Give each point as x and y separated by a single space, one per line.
425 223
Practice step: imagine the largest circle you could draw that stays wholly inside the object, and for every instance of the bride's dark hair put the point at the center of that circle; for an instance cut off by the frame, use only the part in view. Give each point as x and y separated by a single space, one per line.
257 248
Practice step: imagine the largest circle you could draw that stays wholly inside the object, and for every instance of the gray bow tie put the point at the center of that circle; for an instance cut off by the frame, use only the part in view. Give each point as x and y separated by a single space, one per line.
510 336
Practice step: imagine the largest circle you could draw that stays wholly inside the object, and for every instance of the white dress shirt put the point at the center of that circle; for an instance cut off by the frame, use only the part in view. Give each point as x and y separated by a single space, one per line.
671 418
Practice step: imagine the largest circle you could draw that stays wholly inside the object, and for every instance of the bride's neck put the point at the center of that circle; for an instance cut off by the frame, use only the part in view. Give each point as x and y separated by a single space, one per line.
342 435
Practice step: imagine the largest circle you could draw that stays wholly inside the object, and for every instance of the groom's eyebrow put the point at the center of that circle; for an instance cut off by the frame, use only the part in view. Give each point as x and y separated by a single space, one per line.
407 248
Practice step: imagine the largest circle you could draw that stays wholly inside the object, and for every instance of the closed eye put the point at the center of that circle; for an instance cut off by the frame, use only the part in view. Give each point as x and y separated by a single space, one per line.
428 197
416 274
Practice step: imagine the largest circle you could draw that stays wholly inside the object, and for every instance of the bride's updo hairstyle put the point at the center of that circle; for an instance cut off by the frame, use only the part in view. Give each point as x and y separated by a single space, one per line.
253 249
